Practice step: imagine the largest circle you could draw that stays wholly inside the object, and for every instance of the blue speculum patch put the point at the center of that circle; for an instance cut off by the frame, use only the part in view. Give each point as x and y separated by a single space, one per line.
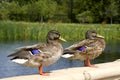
35 51
82 48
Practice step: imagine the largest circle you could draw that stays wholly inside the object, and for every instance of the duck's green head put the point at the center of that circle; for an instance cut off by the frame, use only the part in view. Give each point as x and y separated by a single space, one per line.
54 35
92 34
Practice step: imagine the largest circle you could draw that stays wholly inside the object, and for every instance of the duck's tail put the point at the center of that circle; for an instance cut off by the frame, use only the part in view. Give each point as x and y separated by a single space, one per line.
19 57
68 53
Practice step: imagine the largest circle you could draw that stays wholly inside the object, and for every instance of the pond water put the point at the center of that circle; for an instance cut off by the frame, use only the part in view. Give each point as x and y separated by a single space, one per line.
9 69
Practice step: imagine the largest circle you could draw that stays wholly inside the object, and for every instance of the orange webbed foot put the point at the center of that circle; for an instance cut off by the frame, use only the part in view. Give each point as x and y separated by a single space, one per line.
92 66
45 74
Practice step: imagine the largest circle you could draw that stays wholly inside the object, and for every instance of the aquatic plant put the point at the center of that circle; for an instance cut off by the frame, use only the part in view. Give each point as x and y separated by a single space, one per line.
15 31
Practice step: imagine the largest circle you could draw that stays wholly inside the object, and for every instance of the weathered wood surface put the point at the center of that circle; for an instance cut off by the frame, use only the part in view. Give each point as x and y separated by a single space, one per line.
105 71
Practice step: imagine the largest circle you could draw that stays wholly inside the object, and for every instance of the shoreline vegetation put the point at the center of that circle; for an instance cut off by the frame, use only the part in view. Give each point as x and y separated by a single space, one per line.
25 31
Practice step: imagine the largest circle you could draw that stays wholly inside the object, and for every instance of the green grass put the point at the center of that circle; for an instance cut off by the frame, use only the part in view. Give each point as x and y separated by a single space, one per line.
15 31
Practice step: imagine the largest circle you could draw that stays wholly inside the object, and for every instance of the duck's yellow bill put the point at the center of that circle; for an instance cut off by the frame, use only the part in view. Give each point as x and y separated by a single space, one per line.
99 36
62 39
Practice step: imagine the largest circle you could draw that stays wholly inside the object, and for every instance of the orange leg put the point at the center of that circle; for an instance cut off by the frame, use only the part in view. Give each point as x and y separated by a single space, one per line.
41 71
88 63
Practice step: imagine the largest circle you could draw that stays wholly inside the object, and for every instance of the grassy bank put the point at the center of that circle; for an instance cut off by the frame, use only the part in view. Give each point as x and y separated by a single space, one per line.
37 31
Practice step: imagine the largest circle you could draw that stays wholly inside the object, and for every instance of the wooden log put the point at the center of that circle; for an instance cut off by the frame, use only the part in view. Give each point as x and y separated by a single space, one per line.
103 72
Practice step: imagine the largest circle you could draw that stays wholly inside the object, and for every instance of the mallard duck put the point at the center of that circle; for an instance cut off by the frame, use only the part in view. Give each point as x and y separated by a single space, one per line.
89 48
40 54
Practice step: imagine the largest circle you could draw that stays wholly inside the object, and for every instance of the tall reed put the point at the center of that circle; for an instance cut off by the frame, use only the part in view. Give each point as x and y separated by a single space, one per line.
14 31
